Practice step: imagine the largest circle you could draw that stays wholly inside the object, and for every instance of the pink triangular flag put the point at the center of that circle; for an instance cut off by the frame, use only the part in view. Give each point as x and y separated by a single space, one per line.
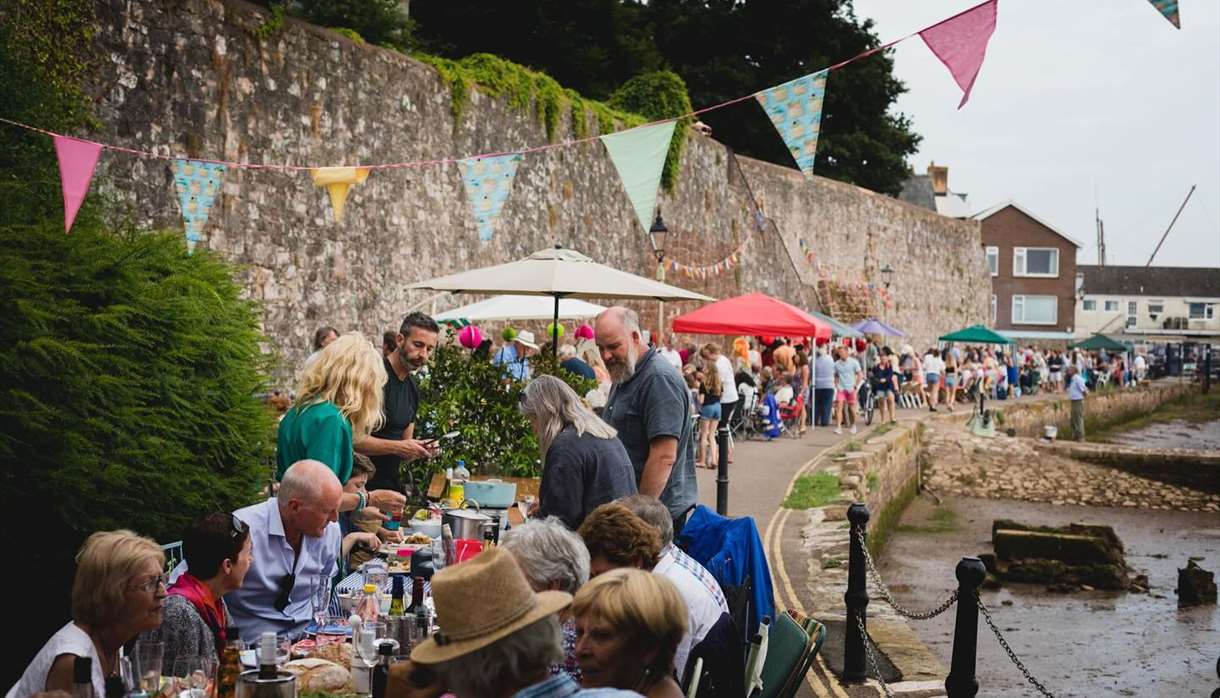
76 162
960 42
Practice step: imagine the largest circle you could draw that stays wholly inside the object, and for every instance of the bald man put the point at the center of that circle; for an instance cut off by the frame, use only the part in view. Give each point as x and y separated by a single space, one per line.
649 405
295 541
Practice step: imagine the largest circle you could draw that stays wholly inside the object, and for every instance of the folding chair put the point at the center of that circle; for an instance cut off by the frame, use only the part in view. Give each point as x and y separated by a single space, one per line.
791 650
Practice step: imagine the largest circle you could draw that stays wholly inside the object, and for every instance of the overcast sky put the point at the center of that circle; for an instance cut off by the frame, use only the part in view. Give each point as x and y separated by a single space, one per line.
1079 103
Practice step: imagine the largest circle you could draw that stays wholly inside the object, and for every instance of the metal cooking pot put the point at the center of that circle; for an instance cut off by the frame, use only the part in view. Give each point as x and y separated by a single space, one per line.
465 523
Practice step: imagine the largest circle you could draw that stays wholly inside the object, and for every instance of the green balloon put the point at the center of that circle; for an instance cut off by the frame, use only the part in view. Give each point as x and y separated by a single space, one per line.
509 334
551 330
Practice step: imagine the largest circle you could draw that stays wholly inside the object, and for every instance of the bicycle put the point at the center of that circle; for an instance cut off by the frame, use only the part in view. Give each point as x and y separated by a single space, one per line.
867 402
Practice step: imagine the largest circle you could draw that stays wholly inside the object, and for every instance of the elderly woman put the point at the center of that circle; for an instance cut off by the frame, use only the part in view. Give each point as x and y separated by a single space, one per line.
628 624
498 637
552 557
116 595
584 465
339 401
195 620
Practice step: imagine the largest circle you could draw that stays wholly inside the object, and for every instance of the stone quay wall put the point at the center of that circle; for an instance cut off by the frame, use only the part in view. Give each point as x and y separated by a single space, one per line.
1101 409
189 77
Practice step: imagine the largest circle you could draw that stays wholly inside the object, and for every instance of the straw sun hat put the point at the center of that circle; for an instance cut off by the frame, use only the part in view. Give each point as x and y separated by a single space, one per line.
480 601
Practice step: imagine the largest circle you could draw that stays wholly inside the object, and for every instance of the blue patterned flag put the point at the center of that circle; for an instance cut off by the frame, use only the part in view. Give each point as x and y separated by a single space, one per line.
1168 8
488 182
197 184
795 108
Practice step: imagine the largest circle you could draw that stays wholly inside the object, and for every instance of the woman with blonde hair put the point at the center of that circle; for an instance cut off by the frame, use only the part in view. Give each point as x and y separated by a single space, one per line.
338 402
628 626
584 465
710 390
116 595
587 352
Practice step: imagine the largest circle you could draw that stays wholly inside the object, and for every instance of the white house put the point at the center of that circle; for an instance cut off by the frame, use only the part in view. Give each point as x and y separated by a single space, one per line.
1145 303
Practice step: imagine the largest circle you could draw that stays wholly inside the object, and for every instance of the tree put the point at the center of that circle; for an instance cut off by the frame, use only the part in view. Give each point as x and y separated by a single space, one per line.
722 49
382 22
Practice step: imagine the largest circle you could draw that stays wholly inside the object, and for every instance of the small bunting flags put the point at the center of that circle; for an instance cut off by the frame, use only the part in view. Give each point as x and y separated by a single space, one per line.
795 108
488 182
960 42
638 156
1169 9
338 180
197 184
77 160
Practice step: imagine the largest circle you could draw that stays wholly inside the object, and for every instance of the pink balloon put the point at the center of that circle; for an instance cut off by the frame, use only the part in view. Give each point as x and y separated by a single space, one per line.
470 337
584 332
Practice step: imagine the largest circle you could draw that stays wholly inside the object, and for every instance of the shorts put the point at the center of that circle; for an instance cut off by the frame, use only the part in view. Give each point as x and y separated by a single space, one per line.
880 389
950 380
710 411
932 378
848 396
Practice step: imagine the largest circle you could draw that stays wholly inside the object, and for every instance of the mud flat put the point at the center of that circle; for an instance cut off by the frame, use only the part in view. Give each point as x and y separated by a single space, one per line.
1089 643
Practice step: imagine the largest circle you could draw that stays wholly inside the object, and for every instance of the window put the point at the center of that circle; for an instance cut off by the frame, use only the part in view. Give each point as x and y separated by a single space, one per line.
993 262
1155 307
993 306
1090 304
1202 311
1132 313
1035 261
1111 306
1035 310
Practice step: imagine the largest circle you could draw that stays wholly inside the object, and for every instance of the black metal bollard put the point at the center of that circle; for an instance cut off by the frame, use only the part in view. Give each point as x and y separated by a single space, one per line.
722 470
961 682
856 597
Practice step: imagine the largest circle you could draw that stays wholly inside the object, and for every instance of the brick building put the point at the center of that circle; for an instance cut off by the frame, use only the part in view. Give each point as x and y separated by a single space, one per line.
1033 274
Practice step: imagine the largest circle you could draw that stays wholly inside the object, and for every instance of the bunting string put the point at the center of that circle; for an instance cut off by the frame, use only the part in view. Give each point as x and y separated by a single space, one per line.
521 151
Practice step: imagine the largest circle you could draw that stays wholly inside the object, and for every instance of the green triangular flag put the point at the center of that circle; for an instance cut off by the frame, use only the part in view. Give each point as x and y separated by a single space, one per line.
639 157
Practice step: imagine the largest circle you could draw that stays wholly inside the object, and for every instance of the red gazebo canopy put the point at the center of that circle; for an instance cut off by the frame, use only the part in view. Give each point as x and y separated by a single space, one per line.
751 314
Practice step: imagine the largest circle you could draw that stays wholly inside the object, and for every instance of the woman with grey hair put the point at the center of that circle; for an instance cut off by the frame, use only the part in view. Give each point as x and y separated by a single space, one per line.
552 558
584 464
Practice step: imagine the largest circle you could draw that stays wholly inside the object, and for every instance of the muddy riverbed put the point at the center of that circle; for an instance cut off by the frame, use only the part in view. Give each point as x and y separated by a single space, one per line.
1081 644
1179 433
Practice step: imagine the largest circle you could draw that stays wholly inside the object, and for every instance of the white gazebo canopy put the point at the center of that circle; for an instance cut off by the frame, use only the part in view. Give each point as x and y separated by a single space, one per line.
521 308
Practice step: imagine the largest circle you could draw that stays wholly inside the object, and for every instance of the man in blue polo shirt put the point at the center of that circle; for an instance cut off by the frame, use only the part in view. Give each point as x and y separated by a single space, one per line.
649 406
1076 392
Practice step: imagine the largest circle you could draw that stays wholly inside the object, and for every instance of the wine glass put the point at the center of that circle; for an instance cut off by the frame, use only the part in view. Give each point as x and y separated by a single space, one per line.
320 599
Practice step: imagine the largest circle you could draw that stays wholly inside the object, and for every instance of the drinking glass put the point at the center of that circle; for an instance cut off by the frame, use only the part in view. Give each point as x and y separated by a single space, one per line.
148 665
320 599
197 675
127 672
365 646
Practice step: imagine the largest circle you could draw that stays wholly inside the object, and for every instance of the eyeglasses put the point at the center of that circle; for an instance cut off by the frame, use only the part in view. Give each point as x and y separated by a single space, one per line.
152 584
286 584
238 527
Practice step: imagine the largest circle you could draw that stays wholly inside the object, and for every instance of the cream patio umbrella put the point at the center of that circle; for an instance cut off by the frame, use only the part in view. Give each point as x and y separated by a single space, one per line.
558 273
514 307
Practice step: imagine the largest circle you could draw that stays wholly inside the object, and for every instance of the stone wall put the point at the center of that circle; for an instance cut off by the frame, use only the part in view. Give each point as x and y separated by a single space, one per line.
189 78
1101 409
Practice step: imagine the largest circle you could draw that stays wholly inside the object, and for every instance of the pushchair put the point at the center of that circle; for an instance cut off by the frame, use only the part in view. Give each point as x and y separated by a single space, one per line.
1029 380
790 415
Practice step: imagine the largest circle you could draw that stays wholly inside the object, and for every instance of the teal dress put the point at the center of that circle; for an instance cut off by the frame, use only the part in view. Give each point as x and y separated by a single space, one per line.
317 431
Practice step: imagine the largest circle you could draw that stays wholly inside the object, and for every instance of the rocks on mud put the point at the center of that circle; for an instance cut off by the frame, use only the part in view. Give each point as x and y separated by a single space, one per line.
1066 558
1196 586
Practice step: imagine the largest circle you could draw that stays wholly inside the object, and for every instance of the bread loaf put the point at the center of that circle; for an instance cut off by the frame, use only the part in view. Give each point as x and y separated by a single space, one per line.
319 675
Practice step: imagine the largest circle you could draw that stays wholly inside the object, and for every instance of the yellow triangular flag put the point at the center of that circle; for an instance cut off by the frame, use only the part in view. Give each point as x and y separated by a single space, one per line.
338 180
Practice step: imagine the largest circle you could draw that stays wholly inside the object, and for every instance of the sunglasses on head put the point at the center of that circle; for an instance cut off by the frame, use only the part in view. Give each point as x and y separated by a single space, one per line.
285 589
238 527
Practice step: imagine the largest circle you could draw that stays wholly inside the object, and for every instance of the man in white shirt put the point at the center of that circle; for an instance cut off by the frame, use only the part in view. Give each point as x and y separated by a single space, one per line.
665 347
705 601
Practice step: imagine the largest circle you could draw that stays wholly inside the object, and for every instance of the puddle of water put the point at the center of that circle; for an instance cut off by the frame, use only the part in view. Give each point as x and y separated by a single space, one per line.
1176 434
1081 644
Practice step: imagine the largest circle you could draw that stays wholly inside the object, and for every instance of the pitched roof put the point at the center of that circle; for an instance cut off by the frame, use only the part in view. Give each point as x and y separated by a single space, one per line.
1193 282
989 212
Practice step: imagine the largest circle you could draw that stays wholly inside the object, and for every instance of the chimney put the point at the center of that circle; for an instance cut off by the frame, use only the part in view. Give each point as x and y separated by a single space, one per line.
940 179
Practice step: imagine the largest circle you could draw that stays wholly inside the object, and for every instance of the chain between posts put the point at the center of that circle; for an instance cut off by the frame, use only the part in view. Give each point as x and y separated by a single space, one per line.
885 592
872 658
1011 655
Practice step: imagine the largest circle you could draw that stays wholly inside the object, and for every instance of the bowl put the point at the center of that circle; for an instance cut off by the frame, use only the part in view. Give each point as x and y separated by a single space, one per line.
428 527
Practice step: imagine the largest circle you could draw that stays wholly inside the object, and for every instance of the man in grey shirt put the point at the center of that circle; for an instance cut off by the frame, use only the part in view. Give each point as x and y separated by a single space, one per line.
649 406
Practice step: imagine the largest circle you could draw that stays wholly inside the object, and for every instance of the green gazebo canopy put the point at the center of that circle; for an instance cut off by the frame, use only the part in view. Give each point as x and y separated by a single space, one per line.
976 334
1100 341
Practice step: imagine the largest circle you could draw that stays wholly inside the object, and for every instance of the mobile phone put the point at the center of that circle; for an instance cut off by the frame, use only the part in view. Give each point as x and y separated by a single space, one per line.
450 435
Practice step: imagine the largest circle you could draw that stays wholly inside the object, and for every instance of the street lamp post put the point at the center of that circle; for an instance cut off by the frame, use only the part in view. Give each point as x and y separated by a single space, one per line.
657 233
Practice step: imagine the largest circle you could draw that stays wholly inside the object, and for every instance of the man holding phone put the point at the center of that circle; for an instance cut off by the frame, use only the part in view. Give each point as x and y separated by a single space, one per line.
395 441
